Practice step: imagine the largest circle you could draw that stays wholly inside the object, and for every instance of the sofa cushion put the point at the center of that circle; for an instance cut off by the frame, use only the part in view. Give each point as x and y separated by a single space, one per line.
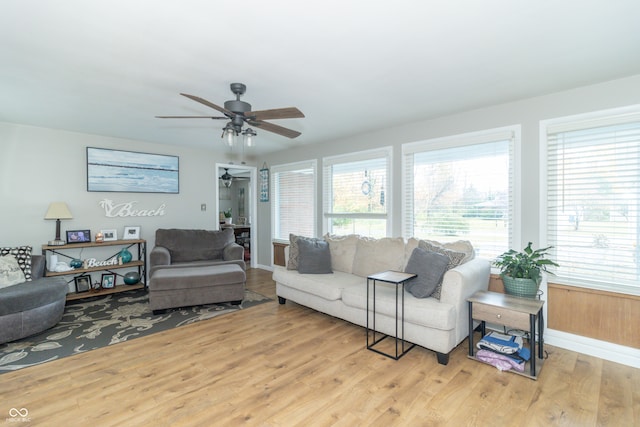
327 286
427 312
194 245
29 295
314 256
10 272
23 255
430 268
343 251
377 255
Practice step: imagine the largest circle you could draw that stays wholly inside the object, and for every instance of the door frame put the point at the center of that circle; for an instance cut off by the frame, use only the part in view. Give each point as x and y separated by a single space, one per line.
251 199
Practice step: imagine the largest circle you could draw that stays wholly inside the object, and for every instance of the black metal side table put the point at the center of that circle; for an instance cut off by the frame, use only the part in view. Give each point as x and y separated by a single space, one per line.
397 279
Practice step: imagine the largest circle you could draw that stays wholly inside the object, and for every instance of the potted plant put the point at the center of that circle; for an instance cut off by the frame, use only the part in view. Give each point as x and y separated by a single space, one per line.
227 216
521 272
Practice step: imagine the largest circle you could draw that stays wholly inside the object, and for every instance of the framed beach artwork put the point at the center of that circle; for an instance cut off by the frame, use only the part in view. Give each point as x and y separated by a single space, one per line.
131 172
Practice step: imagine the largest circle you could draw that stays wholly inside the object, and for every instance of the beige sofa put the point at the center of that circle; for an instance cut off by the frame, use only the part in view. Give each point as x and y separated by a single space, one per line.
436 324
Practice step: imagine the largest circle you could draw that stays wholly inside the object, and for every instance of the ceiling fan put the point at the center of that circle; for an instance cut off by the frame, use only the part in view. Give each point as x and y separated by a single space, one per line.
239 112
227 178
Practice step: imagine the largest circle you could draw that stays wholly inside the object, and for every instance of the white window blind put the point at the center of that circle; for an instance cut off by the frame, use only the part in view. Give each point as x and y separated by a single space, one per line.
461 187
593 201
356 198
294 199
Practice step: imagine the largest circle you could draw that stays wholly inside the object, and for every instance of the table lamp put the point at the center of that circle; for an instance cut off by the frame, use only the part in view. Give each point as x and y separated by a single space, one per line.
58 211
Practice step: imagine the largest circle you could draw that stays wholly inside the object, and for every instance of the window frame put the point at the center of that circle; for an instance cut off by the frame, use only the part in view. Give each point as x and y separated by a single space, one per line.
376 153
275 215
511 132
583 121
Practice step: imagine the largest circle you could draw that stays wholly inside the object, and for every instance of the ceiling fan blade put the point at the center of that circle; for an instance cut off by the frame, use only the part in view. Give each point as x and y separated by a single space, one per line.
210 104
270 127
192 117
276 113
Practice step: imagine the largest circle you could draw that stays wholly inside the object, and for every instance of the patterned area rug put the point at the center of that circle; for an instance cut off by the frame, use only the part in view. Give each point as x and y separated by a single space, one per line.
97 322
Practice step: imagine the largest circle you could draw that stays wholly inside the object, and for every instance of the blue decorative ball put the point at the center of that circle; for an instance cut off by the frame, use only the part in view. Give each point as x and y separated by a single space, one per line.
75 263
131 278
126 256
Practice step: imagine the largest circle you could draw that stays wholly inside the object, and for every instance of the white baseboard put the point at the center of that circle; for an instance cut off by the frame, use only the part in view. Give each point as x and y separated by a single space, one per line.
265 267
592 347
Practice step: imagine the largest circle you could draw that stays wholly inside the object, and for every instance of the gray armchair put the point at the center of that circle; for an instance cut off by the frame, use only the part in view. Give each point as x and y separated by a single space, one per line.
178 248
31 307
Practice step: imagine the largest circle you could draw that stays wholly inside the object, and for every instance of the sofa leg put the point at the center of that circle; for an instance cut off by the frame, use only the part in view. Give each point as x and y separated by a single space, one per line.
282 300
443 358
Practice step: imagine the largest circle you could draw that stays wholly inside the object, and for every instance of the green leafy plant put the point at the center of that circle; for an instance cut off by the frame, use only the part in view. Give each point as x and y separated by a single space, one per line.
526 264
227 213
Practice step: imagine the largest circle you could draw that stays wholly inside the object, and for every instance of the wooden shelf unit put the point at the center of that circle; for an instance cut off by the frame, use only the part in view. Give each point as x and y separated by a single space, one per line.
140 263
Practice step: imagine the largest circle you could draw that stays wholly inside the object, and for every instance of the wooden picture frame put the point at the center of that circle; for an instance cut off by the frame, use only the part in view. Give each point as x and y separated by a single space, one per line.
83 283
108 281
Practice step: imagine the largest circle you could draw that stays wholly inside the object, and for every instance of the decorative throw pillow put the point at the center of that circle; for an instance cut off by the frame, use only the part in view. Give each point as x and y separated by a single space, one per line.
464 246
430 268
376 255
455 259
343 251
292 264
10 272
314 256
22 254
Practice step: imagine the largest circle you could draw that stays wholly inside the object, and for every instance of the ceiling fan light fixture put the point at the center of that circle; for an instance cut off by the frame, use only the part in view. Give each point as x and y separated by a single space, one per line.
229 135
226 178
249 137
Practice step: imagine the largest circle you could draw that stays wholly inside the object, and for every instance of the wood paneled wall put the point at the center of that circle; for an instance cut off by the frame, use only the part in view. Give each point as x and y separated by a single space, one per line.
605 316
278 253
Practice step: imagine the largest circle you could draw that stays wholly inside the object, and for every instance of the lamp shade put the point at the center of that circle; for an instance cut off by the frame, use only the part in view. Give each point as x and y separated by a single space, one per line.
58 210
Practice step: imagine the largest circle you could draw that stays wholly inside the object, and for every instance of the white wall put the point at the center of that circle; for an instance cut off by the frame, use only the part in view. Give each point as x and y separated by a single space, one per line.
527 113
39 166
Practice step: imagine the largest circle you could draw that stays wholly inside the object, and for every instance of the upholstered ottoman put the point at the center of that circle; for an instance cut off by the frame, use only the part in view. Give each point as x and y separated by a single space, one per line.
188 286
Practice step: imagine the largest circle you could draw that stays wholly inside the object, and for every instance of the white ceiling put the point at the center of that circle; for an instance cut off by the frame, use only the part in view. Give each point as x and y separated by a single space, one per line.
352 66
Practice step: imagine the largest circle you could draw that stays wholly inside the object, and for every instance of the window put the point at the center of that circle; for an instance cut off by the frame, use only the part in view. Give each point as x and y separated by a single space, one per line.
294 200
593 198
461 187
356 198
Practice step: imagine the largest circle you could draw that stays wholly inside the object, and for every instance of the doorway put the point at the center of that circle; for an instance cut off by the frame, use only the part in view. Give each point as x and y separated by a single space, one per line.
237 205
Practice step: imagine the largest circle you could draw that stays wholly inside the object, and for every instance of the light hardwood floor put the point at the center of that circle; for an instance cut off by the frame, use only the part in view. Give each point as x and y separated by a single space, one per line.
287 365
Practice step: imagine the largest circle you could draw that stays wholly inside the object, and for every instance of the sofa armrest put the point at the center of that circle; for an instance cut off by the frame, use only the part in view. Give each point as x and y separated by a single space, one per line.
232 252
159 256
37 266
459 284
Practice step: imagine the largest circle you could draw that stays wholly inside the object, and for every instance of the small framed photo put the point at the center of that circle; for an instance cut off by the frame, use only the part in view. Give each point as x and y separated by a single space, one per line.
108 281
109 235
83 283
78 236
131 233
